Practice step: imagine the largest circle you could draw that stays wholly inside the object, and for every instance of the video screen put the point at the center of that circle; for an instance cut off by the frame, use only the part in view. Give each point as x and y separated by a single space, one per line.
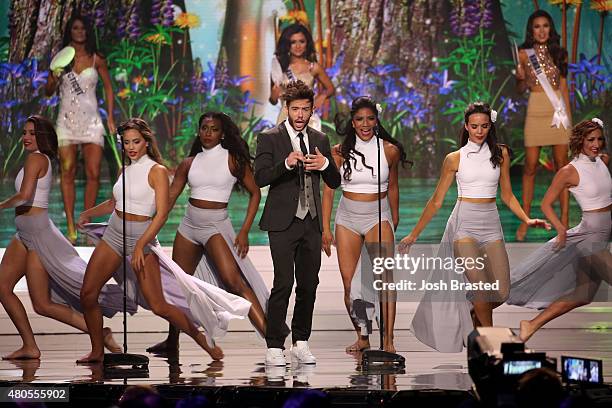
581 369
520 366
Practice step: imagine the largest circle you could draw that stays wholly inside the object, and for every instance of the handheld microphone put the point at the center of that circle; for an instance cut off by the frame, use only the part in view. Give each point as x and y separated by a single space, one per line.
300 167
118 132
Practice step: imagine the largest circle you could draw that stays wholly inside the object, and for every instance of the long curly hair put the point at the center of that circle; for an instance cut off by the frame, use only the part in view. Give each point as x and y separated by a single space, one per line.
558 53
90 38
347 148
496 152
284 45
46 138
231 140
580 132
147 133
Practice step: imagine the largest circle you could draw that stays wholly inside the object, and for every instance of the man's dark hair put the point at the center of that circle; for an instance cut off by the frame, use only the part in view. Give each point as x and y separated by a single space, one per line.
296 90
539 388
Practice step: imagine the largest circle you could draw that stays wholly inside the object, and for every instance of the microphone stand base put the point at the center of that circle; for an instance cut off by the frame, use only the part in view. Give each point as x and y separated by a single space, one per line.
126 359
379 358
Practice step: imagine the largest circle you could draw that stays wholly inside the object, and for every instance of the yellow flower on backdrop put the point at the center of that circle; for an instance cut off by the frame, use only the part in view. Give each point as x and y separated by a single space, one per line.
601 5
568 2
295 16
156 39
187 20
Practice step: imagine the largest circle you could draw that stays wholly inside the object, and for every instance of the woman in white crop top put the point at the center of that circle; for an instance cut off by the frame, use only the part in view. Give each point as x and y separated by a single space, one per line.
145 211
473 237
357 214
566 272
39 251
205 243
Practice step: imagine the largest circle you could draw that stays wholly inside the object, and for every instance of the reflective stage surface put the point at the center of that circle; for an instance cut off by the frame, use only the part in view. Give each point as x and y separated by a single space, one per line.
244 354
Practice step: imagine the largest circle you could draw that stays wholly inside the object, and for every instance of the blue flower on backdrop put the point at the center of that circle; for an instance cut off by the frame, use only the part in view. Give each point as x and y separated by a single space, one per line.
589 81
441 82
21 94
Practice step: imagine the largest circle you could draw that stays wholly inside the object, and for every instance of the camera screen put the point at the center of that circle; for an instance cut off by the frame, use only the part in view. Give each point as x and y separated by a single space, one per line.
520 366
581 369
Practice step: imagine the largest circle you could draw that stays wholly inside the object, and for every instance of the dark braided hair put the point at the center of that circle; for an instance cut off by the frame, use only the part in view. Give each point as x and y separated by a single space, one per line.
347 148
491 140
231 141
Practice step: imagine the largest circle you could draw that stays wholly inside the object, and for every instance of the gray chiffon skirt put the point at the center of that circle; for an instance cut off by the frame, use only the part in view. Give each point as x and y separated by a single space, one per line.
548 274
65 267
207 306
442 319
198 226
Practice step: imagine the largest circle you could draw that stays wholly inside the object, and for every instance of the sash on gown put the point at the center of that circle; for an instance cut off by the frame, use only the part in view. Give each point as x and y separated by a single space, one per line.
560 117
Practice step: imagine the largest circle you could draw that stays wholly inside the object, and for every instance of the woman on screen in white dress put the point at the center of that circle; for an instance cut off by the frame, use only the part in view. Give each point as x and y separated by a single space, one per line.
78 119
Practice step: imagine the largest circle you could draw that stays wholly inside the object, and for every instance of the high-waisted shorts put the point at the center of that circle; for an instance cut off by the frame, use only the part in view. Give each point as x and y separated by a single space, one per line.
199 224
478 221
361 216
113 235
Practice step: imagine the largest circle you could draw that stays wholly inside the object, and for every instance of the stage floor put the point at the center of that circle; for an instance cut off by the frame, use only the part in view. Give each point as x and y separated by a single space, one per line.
244 354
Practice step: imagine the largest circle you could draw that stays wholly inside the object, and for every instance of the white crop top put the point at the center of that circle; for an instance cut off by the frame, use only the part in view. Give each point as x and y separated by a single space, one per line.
139 194
476 177
363 179
209 176
594 189
43 187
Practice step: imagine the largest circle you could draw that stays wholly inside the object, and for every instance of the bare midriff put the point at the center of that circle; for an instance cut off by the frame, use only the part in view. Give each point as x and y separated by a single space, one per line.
476 200
207 205
28 210
132 217
363 196
605 209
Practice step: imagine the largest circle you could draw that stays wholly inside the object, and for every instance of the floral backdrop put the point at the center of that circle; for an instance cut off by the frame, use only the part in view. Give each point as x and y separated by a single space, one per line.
422 60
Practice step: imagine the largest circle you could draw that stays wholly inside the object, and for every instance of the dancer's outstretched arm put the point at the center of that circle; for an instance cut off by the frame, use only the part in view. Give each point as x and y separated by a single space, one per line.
566 177
449 168
104 208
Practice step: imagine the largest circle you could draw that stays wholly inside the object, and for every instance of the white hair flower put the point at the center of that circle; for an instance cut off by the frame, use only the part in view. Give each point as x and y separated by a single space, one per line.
598 121
378 108
493 115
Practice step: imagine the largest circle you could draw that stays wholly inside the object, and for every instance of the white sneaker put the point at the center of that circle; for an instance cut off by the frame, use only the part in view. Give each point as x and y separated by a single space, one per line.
275 374
300 353
275 357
